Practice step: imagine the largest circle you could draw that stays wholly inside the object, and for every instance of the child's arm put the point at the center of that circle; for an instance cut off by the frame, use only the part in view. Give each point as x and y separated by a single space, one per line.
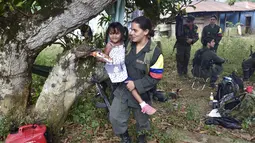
107 48
137 96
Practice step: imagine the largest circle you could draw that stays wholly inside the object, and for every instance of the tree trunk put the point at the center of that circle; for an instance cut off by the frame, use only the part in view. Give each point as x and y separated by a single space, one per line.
14 76
68 79
65 82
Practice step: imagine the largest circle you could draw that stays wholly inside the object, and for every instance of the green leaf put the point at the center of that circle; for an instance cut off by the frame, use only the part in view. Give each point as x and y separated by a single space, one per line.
11 7
20 4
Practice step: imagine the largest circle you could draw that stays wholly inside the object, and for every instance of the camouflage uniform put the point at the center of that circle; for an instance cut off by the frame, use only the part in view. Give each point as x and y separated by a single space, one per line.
211 65
124 102
212 31
183 48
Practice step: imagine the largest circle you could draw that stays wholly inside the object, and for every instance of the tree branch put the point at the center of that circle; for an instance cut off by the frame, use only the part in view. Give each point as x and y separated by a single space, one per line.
77 13
23 13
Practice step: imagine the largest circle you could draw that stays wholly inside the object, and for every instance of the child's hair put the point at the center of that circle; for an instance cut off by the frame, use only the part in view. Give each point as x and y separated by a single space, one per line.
116 26
144 23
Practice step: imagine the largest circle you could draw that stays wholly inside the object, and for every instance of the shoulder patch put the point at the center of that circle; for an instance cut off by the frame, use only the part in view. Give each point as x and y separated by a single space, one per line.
156 70
220 30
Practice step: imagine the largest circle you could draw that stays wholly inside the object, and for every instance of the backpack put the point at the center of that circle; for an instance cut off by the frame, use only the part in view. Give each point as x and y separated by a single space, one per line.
233 104
197 64
238 81
227 88
179 25
239 107
160 96
148 55
197 61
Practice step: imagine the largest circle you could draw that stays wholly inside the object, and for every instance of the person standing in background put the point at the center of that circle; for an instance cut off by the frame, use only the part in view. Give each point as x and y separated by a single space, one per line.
212 30
188 37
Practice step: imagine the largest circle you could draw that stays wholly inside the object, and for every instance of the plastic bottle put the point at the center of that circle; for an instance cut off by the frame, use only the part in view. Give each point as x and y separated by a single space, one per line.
211 99
102 56
211 96
215 104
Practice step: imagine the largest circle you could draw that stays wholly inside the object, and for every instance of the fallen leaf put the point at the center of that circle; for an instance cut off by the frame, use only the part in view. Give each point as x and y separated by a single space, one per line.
203 132
244 136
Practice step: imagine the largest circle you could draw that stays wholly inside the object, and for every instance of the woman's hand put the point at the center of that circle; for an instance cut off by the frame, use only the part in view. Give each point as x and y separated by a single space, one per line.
130 85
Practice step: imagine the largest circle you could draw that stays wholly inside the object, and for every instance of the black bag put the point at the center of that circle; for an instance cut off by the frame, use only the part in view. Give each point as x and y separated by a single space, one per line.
227 87
197 61
238 81
226 122
179 25
196 64
200 67
160 96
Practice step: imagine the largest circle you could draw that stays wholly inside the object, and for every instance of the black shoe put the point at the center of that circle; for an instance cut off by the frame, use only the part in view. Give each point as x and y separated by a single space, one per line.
141 139
125 138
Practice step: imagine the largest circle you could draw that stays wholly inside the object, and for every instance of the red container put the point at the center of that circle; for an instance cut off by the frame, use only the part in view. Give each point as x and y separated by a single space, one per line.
28 134
249 89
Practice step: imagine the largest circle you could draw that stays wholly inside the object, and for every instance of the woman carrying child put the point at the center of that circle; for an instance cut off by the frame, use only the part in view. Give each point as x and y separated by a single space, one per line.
135 75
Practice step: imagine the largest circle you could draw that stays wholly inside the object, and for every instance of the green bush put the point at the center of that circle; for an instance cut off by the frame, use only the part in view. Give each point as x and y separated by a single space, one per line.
4 127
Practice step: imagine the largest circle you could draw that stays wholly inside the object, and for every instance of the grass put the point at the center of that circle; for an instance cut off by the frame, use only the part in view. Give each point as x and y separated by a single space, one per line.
175 120
47 57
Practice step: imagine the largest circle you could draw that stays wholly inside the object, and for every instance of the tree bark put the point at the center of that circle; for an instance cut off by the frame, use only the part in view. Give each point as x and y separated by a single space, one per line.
76 14
65 82
68 79
14 78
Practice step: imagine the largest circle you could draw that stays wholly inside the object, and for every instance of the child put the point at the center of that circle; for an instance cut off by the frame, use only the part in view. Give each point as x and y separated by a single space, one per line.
117 69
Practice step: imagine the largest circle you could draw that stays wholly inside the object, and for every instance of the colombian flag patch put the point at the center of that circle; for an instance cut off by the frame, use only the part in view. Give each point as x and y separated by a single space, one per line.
156 70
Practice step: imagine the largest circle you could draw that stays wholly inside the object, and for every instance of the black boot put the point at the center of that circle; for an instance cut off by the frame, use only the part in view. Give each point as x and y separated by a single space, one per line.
246 74
141 139
125 138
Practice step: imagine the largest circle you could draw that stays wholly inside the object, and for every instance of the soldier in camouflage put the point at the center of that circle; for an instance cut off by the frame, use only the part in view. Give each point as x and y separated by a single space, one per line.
183 45
212 30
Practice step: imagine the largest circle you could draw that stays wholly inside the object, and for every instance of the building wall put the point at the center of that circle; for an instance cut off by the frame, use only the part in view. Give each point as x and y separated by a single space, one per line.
203 19
243 19
222 21
232 17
